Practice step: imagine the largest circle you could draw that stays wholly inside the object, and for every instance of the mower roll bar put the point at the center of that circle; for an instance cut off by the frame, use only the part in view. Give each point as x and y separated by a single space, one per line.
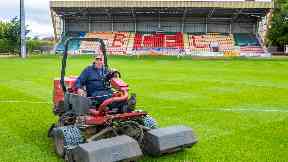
65 55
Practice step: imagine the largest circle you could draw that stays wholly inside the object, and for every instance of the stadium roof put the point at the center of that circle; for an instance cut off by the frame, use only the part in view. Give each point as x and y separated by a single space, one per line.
161 3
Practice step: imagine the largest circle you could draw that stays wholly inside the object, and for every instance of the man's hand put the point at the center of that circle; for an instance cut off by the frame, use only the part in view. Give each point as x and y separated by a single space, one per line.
109 76
81 92
112 74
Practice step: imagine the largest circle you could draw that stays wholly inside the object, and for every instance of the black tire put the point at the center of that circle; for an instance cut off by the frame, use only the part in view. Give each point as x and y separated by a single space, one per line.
50 130
59 145
65 137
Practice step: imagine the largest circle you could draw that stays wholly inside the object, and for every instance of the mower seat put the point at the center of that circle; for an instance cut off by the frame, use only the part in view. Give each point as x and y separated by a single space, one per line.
78 104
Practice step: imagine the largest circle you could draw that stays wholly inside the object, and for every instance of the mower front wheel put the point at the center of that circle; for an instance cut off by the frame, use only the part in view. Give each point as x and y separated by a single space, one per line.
65 138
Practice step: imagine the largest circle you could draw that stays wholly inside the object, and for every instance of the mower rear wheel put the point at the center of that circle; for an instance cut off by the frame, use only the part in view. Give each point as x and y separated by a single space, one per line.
59 144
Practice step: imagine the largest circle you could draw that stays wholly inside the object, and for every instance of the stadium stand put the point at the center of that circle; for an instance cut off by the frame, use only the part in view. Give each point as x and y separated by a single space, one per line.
74 46
162 27
116 42
205 42
252 51
249 45
246 39
169 43
158 40
119 43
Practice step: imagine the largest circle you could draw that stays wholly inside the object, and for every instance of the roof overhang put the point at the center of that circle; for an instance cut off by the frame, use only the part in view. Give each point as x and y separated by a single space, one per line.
160 4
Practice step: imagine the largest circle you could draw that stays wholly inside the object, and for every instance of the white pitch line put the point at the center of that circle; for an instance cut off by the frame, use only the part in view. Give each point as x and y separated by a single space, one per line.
243 110
227 109
24 101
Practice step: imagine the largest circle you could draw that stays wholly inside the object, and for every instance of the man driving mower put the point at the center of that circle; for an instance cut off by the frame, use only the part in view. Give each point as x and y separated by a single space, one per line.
86 132
93 82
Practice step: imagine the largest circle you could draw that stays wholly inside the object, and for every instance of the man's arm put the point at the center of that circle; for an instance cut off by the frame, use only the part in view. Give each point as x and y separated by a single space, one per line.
81 82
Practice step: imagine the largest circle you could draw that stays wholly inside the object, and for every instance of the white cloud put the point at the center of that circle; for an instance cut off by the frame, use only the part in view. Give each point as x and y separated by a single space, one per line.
9 9
39 29
37 15
38 4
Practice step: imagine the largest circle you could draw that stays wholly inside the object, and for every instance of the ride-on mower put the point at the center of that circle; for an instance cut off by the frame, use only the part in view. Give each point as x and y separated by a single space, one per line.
86 132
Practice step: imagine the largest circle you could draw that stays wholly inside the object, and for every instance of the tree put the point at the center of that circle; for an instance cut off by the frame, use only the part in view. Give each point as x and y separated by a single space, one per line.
3 37
278 33
37 45
10 36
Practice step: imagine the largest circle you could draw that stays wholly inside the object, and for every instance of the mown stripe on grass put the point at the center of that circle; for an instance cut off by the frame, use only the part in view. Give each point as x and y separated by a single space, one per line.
24 101
228 136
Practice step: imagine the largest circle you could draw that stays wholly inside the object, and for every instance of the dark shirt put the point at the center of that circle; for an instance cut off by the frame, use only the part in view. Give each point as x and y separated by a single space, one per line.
94 80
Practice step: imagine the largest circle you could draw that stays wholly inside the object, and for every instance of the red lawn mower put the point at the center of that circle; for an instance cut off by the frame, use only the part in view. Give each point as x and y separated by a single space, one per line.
88 133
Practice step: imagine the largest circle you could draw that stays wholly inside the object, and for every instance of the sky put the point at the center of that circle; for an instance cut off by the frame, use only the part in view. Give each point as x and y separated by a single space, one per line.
37 15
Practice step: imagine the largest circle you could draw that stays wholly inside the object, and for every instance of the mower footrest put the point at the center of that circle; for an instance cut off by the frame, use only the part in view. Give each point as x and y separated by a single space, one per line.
166 140
108 150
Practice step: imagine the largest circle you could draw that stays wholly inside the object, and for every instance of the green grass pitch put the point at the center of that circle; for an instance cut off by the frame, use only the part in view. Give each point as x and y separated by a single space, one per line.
237 107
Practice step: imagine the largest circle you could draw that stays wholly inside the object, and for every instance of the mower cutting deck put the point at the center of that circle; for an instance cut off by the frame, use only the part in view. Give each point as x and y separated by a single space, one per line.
89 133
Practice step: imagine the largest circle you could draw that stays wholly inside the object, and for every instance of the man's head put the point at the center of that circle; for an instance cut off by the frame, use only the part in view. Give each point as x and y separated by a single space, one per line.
99 61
